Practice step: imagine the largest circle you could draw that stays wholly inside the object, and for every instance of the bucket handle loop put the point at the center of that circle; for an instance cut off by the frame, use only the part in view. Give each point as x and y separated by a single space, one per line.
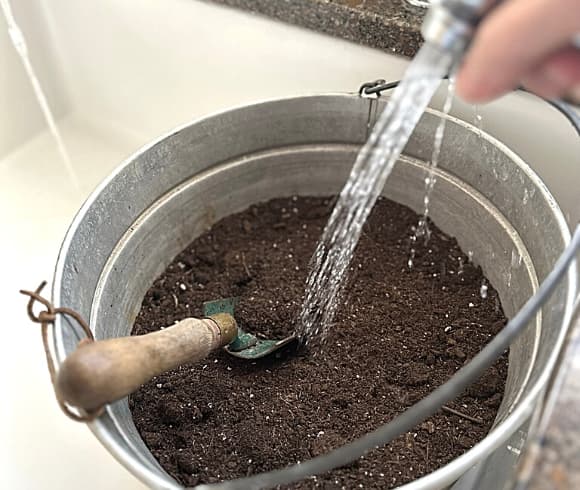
46 318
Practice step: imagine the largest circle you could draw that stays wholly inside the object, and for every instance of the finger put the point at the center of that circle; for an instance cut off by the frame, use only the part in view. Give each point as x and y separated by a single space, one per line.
515 37
557 76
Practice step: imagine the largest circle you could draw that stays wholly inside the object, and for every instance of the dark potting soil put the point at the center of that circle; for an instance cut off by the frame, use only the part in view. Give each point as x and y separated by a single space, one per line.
399 333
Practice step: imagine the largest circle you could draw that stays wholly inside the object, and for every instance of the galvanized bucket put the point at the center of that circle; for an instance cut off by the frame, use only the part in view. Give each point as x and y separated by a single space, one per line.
167 194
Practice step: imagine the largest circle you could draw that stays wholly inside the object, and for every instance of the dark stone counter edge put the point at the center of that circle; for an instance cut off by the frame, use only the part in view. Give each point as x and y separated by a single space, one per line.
393 35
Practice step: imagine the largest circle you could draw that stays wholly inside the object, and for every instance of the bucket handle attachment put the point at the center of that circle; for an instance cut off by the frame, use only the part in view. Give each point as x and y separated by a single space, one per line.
374 89
101 372
46 318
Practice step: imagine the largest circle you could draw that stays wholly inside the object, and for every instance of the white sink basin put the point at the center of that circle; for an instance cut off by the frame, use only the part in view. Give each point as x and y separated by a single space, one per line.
117 75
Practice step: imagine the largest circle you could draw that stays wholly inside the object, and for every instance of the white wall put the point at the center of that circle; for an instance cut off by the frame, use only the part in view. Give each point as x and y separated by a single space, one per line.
20 116
149 65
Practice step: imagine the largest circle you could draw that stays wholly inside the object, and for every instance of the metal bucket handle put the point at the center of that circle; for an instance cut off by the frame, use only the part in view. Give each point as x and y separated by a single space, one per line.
444 393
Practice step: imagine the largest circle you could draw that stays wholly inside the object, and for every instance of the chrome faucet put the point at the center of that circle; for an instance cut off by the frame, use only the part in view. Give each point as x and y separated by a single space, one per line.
450 24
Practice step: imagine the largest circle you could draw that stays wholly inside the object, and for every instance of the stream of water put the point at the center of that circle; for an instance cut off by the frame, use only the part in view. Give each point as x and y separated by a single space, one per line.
19 42
372 167
478 123
422 228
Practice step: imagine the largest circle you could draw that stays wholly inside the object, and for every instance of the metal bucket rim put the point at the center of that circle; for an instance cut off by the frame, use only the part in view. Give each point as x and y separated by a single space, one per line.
443 475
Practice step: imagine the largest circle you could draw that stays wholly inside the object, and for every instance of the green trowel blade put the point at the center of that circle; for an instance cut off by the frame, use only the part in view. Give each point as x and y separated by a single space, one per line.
245 345
244 340
227 305
261 348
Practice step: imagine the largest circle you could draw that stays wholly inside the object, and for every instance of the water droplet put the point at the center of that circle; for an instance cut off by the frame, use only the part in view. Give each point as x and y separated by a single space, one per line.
503 172
516 259
483 291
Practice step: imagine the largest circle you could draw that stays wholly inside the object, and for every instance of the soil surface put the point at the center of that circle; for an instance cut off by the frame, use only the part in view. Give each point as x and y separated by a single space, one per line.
399 333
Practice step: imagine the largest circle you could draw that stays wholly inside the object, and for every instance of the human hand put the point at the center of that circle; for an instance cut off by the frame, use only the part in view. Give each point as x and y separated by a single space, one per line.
527 42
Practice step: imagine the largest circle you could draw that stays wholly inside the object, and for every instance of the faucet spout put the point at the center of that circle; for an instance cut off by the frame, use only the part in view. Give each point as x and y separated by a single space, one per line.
450 24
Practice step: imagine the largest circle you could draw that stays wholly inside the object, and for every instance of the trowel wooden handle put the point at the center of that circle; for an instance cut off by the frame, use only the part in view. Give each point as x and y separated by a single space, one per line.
104 371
